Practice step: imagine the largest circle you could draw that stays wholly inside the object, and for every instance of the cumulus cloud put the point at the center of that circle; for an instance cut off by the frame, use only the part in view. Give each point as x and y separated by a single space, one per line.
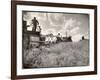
77 37
75 25
74 30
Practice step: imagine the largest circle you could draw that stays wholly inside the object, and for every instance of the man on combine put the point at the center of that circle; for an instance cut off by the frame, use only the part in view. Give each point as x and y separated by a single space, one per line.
35 23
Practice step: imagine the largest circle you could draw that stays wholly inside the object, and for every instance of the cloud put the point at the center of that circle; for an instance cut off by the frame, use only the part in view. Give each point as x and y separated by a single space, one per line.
70 24
86 35
76 37
55 18
49 31
74 30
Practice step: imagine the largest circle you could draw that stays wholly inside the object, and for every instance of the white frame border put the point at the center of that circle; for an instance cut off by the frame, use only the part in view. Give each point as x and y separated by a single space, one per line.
21 71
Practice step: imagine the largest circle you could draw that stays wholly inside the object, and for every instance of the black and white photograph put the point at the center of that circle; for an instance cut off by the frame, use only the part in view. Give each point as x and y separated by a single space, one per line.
55 39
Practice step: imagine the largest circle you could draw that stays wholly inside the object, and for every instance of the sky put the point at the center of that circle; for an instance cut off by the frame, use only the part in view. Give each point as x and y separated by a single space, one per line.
67 24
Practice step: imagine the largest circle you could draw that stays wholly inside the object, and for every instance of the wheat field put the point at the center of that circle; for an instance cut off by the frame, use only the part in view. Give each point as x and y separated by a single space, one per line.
63 54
